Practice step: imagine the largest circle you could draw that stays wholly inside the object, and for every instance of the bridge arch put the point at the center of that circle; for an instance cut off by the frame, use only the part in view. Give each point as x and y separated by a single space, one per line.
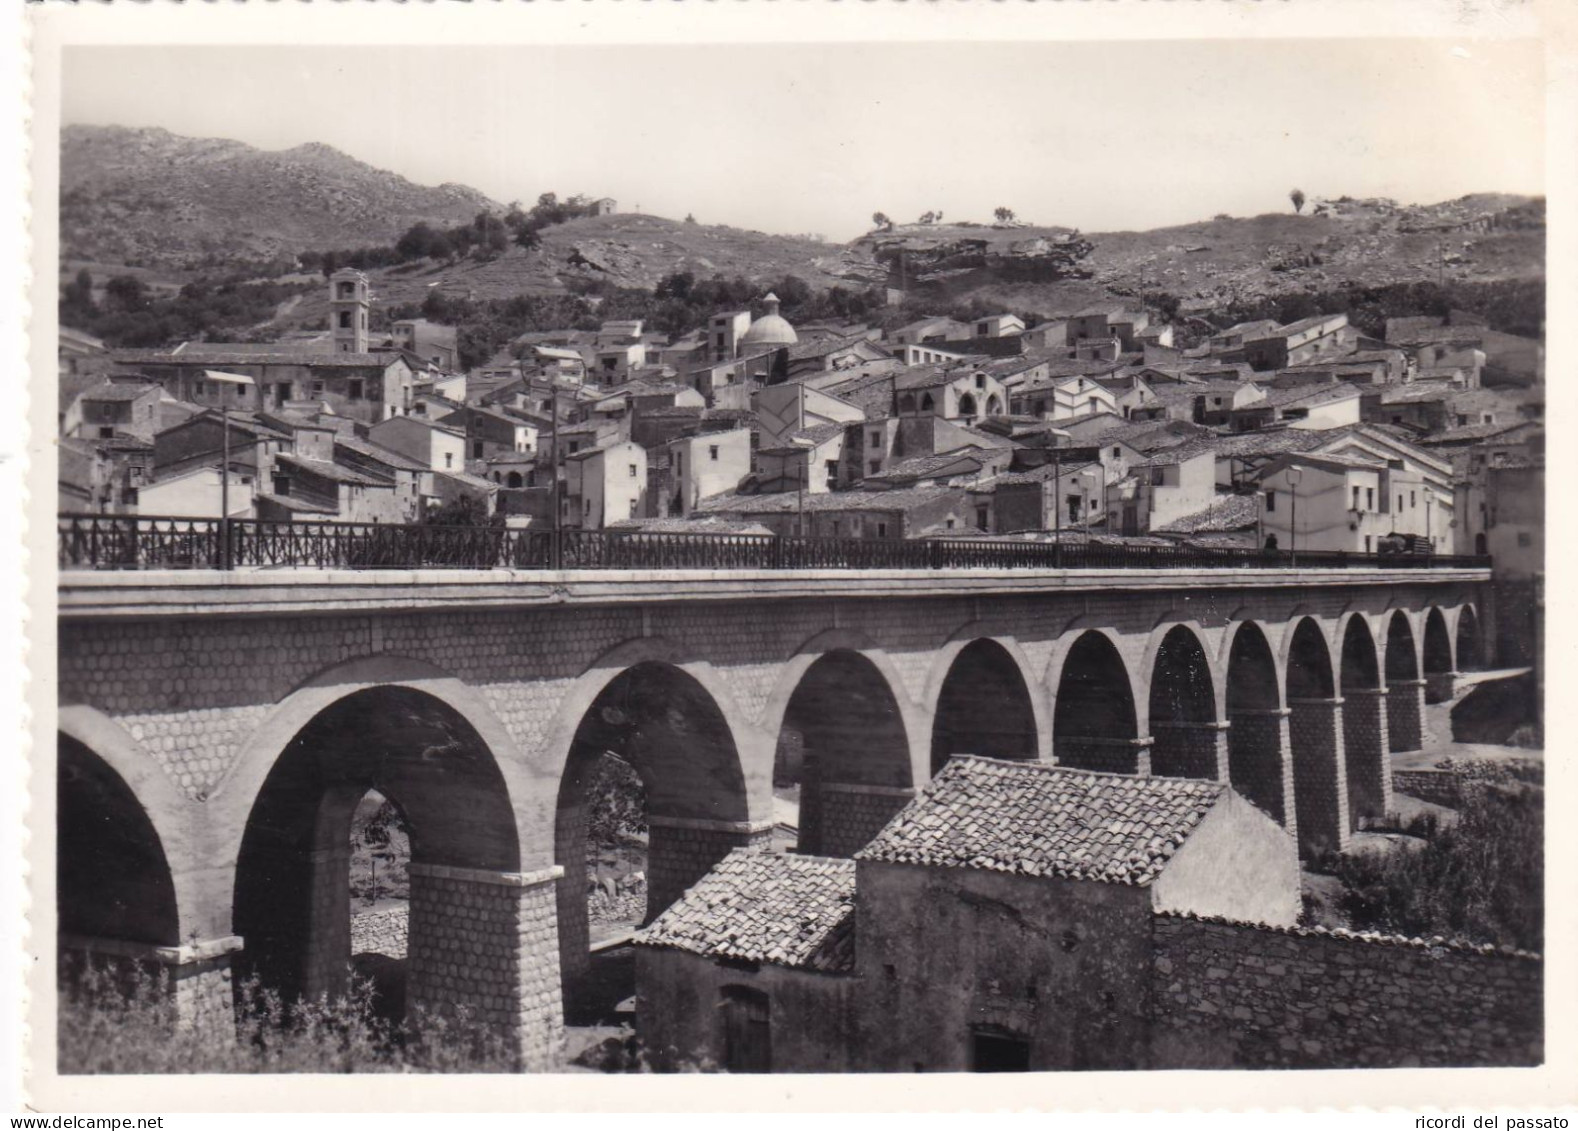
1363 722
1257 742
1405 688
113 880
1095 725
292 873
844 738
981 701
641 715
1439 662
1315 739
1182 707
1468 645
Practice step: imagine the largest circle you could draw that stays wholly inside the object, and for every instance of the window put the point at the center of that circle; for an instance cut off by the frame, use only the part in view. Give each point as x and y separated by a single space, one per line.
1271 501
1399 504
876 439
712 452
874 466
353 388
449 459
106 432
477 448
948 525
1525 539
1369 498
1367 543
882 530
1413 499
634 504
281 485
317 388
1462 420
983 518
1116 452
1355 498
1075 504
632 468
345 319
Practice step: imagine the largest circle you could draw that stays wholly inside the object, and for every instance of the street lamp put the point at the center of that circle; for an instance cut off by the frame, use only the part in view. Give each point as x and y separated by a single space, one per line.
223 379
1293 477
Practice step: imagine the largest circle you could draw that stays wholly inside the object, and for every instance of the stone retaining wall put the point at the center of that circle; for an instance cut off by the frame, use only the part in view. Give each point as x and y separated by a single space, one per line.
381 932
1439 787
1242 995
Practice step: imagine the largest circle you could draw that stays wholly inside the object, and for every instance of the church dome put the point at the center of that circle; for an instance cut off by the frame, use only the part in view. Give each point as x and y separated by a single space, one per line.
770 329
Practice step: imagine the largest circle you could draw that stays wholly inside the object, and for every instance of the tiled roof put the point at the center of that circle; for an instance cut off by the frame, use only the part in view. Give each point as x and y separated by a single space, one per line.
783 909
1043 473
387 456
119 391
226 356
967 460
787 502
1229 512
334 471
1033 819
302 506
1471 432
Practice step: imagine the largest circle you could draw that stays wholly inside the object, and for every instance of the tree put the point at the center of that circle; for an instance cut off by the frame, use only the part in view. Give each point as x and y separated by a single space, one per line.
880 220
126 293
928 218
1297 197
690 217
1004 215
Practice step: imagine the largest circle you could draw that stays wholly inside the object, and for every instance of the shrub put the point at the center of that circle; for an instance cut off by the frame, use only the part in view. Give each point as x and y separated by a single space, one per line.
124 1022
1481 879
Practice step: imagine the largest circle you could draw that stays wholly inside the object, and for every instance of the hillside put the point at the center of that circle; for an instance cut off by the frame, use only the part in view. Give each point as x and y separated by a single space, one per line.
147 197
628 250
1479 238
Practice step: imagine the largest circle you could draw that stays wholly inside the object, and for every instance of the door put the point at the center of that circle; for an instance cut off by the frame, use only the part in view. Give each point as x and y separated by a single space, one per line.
997 1050
747 1030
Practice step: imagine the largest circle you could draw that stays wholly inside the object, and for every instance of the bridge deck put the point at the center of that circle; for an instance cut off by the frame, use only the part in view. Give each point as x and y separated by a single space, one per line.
142 593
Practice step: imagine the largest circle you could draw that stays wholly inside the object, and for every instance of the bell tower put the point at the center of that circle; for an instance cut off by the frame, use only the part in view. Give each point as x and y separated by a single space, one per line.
349 300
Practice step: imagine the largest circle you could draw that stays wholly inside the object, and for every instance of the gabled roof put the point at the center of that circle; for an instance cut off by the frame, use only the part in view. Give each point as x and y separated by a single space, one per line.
337 472
788 910
1032 819
378 452
120 392
223 355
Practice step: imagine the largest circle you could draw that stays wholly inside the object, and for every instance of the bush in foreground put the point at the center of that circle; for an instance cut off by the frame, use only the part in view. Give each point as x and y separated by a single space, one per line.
109 1023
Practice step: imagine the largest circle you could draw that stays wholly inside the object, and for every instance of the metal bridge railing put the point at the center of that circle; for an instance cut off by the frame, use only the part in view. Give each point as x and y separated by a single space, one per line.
128 542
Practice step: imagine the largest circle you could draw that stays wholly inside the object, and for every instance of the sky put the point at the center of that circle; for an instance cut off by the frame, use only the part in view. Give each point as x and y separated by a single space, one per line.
815 138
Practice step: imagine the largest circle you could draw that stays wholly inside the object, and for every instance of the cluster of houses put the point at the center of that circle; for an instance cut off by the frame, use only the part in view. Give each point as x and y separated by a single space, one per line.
1096 426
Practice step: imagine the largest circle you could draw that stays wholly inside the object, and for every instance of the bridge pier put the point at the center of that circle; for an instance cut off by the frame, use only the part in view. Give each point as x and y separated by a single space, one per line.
1103 755
196 975
852 815
489 941
1364 730
1320 788
1405 707
681 850
1260 760
1190 750
1441 687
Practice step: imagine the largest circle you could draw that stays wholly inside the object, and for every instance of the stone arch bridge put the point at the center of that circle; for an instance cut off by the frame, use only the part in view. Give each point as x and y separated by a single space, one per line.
216 731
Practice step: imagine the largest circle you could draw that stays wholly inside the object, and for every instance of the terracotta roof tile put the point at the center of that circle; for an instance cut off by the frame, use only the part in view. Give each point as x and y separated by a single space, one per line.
1033 819
787 910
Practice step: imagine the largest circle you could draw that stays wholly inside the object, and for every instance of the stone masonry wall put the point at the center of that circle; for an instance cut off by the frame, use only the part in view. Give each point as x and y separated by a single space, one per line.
381 932
1320 787
1364 747
1243 995
1259 765
489 944
1189 750
852 815
1439 787
1405 704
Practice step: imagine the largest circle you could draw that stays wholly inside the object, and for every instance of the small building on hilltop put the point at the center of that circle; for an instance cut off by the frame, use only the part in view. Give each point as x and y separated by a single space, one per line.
1003 919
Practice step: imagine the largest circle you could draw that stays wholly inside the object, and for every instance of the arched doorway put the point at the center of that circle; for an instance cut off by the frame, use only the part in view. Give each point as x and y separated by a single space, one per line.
293 878
967 406
1315 734
843 743
1364 725
1404 688
658 741
1469 658
1093 721
984 707
1257 734
1187 740
1439 671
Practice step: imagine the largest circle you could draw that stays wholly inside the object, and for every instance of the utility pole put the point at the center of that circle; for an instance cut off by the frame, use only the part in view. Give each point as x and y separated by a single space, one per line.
555 550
